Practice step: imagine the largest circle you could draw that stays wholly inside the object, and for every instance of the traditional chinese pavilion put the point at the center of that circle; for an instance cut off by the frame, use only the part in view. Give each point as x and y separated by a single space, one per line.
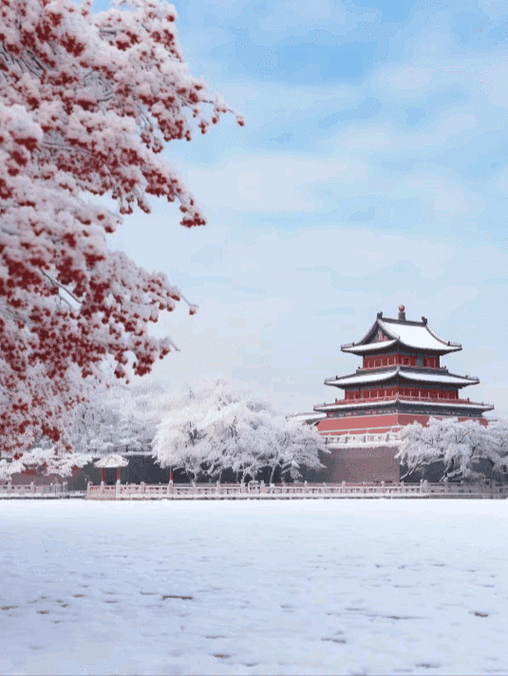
400 381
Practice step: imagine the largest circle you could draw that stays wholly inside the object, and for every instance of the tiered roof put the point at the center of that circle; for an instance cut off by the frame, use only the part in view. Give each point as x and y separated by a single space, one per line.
439 406
387 333
392 336
405 374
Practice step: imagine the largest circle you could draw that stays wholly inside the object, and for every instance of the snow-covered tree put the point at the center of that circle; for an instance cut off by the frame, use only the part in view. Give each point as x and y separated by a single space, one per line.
215 427
297 446
87 103
459 445
46 459
119 417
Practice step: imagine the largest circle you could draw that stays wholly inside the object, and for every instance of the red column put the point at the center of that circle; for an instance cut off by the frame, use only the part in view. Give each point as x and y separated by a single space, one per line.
170 474
118 473
103 475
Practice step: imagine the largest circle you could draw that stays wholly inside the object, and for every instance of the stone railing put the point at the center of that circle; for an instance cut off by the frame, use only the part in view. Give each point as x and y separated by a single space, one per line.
260 490
8 489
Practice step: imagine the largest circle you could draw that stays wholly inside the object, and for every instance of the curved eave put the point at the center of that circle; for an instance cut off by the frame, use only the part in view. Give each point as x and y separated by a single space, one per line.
418 379
412 402
309 418
370 348
425 339
453 381
364 340
111 461
382 346
411 327
363 379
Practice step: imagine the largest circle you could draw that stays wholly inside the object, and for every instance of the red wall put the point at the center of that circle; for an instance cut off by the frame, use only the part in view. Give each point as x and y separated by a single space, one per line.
363 424
358 423
378 360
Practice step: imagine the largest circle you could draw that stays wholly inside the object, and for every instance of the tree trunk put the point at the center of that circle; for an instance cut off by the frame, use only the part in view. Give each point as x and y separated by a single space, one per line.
274 470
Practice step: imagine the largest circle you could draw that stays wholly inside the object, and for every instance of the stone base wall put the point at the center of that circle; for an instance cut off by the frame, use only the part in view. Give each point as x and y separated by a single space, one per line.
361 463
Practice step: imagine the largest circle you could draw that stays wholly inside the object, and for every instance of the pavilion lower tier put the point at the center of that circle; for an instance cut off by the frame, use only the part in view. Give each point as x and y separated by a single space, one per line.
363 446
460 408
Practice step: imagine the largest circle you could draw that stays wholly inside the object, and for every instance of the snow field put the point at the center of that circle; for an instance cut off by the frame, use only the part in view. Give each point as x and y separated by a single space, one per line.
315 587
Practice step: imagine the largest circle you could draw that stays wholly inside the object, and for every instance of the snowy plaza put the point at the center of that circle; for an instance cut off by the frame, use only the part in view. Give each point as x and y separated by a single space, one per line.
314 587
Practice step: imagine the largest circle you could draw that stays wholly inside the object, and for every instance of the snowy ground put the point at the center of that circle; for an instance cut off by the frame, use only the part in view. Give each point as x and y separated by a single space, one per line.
314 587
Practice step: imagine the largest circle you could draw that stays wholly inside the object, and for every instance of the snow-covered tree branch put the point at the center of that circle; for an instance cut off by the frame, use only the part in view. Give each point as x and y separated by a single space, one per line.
119 417
214 427
87 103
459 445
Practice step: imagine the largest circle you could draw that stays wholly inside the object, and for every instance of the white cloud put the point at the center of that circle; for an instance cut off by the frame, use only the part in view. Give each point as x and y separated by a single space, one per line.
494 81
410 80
271 183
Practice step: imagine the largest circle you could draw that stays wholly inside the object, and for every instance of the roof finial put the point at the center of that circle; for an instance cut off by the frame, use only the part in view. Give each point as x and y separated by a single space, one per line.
402 314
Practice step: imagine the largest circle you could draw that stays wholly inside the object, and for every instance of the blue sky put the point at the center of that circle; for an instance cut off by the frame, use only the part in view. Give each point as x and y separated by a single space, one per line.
372 171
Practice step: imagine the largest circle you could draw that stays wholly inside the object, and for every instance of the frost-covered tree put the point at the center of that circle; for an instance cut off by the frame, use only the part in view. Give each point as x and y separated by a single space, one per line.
87 103
297 446
119 417
46 459
460 446
215 427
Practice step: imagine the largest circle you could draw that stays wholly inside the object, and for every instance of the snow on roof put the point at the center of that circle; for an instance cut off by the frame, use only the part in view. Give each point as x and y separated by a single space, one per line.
415 335
308 417
369 347
436 378
362 379
112 461
365 440
388 402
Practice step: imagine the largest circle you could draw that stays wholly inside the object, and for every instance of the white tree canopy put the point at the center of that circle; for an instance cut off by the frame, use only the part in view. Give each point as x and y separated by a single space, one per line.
50 459
215 427
459 445
119 417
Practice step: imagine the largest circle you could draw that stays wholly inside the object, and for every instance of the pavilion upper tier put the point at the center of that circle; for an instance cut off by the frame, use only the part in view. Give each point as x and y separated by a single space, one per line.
390 334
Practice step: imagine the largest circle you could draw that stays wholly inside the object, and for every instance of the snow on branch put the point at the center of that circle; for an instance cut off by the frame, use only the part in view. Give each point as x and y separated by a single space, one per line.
458 445
87 104
214 427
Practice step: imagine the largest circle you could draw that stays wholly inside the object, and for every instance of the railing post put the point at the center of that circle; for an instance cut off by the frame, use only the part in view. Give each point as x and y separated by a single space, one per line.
262 487
65 487
170 487
32 487
143 486
118 489
88 491
243 488
217 488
